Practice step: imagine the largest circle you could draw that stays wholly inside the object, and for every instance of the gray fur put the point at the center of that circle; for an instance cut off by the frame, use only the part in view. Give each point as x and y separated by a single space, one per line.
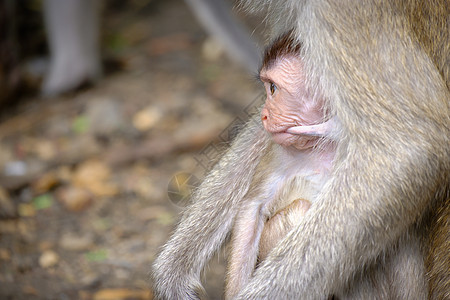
176 271
393 157
392 165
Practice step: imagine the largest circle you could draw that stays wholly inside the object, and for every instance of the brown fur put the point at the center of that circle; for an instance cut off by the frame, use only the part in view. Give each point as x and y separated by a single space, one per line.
283 45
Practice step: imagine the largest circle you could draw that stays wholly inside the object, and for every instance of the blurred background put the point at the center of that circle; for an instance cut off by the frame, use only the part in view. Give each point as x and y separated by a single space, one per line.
110 114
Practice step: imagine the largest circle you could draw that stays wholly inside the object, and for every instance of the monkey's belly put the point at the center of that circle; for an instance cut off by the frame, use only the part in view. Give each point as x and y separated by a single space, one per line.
276 228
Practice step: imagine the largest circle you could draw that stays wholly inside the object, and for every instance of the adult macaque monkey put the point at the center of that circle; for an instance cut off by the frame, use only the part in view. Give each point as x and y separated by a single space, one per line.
290 176
382 71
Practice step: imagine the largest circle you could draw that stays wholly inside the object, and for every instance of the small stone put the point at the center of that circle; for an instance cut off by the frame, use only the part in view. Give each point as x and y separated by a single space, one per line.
72 242
91 280
121 274
15 168
105 115
147 118
48 259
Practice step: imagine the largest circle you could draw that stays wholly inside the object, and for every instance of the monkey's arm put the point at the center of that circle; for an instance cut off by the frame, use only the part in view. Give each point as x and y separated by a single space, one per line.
244 246
207 222
393 156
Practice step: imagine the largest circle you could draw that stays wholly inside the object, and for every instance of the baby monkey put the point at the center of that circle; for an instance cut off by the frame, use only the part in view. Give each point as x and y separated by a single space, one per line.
294 168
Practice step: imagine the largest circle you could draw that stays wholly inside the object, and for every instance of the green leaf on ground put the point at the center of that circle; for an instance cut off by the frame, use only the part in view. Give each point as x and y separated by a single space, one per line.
43 201
97 255
80 124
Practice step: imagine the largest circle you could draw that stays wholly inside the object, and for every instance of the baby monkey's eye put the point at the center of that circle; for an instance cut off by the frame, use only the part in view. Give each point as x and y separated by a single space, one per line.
273 88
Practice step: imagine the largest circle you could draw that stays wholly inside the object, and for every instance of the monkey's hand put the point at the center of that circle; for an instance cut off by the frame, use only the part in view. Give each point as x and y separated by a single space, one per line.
170 284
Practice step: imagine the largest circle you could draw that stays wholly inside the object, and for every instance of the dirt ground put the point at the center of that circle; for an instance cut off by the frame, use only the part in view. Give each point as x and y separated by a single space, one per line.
91 183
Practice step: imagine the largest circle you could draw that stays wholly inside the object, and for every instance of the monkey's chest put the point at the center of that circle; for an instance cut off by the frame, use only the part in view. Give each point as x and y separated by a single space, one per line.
306 187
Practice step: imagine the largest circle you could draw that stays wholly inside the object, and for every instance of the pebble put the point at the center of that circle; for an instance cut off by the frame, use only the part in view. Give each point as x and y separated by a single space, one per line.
105 115
147 118
72 242
48 259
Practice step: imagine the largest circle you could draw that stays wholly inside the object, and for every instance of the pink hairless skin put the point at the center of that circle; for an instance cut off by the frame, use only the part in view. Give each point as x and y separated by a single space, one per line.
291 114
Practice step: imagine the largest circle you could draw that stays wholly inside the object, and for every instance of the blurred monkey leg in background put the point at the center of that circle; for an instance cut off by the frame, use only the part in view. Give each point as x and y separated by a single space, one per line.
216 18
73 35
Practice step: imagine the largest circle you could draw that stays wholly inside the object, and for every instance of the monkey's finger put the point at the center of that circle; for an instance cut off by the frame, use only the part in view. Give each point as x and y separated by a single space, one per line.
320 130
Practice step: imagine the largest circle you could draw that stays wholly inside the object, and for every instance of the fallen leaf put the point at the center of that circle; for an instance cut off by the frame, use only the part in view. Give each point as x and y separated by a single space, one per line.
64 173
45 150
26 210
9 226
166 219
7 208
29 290
45 183
46 245
97 255
151 212
5 254
80 125
119 294
94 175
74 198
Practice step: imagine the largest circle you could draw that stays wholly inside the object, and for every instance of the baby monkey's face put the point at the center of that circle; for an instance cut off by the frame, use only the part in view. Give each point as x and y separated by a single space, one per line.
289 104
